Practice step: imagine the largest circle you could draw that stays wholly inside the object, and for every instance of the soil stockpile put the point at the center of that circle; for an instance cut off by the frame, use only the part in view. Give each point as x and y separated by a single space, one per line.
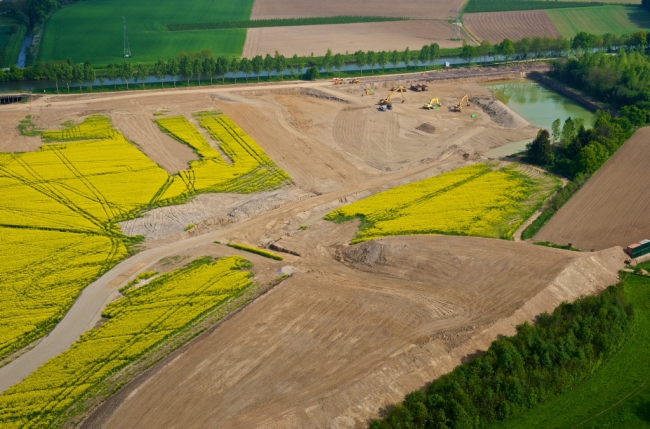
499 112
418 9
496 26
613 208
332 346
374 36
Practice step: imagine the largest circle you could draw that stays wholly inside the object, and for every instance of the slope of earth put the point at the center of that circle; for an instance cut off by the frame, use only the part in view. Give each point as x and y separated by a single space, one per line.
99 25
496 26
418 9
600 20
375 36
338 342
612 208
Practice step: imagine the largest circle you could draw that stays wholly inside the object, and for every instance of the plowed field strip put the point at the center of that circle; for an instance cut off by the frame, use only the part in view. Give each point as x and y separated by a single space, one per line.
496 26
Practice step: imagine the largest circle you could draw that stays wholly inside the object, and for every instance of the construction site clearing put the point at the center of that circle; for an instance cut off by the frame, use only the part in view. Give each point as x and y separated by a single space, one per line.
354 328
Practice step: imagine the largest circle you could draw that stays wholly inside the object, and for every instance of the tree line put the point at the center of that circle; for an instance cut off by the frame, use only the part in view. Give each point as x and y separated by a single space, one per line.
519 372
205 65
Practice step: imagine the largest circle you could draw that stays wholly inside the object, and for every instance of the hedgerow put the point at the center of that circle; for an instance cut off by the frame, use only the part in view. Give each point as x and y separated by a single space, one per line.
259 23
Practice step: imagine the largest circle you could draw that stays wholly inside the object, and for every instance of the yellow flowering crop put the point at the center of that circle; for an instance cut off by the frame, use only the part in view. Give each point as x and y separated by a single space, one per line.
476 200
137 323
59 209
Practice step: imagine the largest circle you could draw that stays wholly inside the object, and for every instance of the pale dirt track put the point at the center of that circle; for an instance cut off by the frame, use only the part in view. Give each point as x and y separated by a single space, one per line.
342 38
358 318
496 26
418 9
612 208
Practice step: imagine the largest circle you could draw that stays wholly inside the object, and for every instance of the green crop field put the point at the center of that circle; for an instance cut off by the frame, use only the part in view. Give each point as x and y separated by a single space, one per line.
600 19
92 30
618 395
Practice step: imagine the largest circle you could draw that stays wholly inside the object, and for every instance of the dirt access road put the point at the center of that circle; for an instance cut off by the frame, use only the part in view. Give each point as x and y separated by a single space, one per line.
305 128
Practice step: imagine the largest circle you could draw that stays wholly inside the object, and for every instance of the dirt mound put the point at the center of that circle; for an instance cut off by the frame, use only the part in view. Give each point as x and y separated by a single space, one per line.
333 346
612 208
499 112
427 128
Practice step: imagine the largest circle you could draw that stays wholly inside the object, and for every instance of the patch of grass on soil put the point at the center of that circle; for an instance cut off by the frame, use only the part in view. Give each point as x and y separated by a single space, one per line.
555 246
600 19
28 128
255 250
618 394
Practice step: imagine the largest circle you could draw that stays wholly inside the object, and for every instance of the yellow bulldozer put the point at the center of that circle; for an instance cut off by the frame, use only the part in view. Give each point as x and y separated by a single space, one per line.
355 80
386 101
433 104
459 106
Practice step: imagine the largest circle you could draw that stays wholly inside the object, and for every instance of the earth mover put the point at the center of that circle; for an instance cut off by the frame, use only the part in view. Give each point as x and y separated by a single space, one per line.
459 106
433 104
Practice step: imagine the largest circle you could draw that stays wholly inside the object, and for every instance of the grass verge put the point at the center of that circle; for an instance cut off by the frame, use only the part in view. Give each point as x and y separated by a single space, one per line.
255 250
260 23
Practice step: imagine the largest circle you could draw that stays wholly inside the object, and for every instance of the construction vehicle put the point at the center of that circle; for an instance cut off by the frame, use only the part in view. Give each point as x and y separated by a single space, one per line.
386 101
337 81
420 87
370 91
382 108
355 80
433 104
459 106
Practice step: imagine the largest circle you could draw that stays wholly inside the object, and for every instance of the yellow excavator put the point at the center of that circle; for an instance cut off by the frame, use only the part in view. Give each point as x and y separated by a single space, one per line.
433 104
355 80
386 101
459 106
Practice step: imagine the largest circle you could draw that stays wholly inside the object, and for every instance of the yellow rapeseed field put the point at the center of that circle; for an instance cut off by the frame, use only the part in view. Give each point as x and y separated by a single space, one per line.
59 209
138 322
478 200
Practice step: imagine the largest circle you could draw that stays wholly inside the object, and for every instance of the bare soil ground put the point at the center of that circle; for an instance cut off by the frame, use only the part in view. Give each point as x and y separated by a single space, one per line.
612 208
496 26
418 9
349 333
373 36
339 341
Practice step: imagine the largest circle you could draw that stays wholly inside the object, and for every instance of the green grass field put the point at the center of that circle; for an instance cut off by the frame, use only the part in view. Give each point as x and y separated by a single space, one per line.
600 19
618 395
92 30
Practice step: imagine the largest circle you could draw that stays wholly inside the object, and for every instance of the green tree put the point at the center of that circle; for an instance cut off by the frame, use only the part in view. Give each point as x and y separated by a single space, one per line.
38 10
222 68
425 55
234 67
468 52
210 67
434 51
258 64
52 73
301 64
395 58
268 65
173 69
506 49
485 48
247 67
280 64
65 73
113 72
540 150
339 62
187 68
89 75
78 74
313 73
142 73
360 60
568 132
198 68
159 71
406 57
555 129
382 60
126 73
371 60
328 61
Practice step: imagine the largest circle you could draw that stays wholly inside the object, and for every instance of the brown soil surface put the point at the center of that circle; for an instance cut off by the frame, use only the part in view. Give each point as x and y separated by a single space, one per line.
496 26
342 338
339 341
418 9
612 208
374 36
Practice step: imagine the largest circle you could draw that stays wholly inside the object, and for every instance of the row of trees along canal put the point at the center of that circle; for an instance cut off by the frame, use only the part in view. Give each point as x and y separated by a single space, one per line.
204 65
